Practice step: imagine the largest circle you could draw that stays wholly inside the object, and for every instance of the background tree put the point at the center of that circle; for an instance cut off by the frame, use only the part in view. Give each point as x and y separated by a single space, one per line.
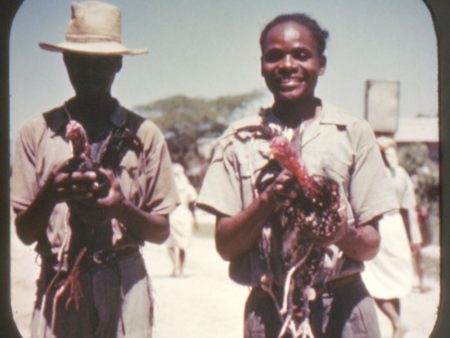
415 158
191 124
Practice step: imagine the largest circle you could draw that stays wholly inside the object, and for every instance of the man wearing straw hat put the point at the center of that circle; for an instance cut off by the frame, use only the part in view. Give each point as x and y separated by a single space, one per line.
91 181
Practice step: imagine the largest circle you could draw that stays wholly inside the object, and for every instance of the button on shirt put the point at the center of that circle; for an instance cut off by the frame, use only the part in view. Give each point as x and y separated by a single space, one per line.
332 143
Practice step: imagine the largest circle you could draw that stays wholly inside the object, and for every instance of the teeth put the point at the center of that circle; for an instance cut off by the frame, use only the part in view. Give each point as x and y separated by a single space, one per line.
291 81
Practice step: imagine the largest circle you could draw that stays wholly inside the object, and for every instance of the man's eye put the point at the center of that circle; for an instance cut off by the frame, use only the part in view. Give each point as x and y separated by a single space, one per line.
301 55
106 62
273 56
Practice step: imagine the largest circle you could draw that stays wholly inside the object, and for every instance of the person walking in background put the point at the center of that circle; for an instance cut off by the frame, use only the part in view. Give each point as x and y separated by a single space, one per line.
389 276
254 199
424 218
91 182
182 221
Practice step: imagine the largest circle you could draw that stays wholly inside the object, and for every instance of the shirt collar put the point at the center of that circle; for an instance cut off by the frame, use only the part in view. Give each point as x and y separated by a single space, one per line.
62 117
329 114
59 119
333 115
118 116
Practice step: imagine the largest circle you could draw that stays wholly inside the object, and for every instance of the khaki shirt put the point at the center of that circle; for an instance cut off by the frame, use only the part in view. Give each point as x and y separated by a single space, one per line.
146 180
331 143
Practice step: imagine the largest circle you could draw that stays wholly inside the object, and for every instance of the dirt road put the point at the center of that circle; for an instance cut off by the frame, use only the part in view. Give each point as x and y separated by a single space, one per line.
205 302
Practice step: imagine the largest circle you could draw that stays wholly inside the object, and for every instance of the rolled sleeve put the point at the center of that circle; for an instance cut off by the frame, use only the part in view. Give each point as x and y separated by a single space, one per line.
160 194
371 195
24 181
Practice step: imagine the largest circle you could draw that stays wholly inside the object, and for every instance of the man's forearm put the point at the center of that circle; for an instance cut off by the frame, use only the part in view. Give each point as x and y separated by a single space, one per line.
237 234
32 222
149 227
361 243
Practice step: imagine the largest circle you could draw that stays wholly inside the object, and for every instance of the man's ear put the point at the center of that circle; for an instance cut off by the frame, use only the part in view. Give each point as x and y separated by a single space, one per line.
261 65
323 64
65 57
119 64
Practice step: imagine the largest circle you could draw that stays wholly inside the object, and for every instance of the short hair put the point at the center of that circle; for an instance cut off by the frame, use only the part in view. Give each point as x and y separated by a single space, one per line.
320 35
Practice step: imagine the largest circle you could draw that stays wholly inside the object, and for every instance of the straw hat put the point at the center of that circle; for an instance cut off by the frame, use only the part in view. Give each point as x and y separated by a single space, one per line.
94 29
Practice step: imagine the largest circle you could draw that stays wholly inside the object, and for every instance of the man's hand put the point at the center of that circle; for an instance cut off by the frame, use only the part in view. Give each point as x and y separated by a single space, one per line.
62 185
65 184
282 191
100 209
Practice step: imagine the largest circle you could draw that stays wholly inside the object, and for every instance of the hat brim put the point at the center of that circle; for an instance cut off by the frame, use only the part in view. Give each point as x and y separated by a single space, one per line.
93 48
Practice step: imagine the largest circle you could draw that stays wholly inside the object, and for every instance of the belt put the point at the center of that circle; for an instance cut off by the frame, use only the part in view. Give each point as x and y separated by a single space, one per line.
93 258
106 256
338 284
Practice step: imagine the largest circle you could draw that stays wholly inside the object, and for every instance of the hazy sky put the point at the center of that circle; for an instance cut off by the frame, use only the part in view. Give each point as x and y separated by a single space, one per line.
207 48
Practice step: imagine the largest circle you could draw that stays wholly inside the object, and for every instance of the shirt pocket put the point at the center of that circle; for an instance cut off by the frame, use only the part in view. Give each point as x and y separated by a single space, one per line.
132 178
252 158
330 165
337 168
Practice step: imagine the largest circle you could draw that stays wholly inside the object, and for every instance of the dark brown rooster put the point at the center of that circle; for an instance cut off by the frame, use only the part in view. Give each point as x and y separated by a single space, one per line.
118 143
313 211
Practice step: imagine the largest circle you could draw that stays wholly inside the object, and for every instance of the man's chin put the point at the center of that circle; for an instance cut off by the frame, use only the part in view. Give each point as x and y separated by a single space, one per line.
289 96
90 95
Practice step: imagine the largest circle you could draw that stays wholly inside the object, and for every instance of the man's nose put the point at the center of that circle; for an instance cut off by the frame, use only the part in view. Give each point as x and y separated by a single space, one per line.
288 62
90 67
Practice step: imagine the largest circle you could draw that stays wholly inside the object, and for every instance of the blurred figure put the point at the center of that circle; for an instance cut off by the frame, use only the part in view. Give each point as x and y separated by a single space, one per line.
389 276
423 218
182 220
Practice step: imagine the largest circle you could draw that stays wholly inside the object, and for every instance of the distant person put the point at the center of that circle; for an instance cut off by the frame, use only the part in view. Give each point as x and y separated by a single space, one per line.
182 221
252 196
91 182
389 276
424 220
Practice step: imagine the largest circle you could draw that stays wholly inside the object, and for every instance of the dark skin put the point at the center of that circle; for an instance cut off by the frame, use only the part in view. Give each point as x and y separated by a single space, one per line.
92 78
290 65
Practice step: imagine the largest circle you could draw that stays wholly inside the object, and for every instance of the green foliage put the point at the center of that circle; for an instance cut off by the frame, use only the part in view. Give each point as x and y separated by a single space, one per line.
415 158
180 112
185 121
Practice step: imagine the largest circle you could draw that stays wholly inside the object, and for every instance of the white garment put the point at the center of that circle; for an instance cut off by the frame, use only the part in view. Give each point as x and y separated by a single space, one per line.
181 219
390 274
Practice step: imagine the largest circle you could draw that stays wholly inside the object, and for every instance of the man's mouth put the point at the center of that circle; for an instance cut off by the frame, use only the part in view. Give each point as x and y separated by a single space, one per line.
289 82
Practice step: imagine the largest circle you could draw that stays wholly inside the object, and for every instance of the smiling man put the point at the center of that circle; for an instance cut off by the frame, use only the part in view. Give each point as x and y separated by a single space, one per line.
252 197
291 63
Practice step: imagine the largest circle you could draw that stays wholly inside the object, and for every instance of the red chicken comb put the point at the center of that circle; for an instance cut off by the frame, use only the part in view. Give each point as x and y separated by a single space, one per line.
78 136
287 156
